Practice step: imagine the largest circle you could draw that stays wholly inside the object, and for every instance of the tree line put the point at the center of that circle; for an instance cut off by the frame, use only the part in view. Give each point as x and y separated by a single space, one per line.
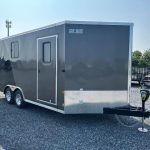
140 59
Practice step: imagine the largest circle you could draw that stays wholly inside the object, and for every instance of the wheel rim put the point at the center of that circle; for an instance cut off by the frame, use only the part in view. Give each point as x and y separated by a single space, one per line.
18 99
8 96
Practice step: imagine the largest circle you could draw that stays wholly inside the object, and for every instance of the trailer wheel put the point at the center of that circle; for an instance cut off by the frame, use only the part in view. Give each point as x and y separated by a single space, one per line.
9 96
19 100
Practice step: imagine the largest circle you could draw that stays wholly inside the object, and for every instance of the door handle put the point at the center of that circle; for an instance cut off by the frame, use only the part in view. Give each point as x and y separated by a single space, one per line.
39 70
63 70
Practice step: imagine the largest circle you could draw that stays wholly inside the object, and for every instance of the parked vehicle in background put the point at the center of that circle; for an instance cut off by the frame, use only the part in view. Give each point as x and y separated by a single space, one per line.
137 77
146 81
138 73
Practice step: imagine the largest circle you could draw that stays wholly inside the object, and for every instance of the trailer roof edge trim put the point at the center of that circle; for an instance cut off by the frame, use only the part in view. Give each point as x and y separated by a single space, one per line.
71 22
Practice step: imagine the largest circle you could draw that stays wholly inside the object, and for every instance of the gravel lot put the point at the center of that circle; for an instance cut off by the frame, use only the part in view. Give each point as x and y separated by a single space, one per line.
35 128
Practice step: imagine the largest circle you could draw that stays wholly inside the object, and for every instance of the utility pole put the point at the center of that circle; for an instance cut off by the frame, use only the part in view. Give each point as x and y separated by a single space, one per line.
8 26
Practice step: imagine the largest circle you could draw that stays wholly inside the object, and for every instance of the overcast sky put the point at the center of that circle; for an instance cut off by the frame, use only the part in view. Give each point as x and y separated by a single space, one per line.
30 14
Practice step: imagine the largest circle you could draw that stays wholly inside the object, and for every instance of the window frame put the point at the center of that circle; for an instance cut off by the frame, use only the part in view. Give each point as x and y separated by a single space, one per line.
43 52
14 47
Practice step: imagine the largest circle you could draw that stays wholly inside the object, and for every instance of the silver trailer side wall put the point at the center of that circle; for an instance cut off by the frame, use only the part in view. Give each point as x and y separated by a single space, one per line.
23 72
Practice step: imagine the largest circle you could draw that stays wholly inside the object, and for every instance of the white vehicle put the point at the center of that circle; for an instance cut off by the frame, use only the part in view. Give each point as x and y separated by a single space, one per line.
146 80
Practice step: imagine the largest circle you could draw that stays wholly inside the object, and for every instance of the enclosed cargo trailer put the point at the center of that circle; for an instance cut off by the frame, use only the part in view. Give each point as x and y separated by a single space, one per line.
72 67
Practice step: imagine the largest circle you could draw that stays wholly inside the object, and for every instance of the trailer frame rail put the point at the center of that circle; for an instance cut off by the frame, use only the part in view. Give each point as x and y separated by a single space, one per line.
127 111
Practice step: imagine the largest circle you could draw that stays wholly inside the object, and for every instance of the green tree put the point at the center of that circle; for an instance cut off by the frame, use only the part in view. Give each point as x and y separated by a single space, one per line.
146 57
142 62
136 58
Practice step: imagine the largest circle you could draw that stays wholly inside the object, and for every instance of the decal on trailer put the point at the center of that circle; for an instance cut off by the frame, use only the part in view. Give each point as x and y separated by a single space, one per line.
75 31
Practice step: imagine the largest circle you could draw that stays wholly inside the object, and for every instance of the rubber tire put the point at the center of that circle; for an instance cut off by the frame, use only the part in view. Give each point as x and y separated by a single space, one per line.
22 102
12 96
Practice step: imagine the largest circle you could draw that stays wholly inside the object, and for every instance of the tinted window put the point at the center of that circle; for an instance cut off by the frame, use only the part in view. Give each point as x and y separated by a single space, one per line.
47 52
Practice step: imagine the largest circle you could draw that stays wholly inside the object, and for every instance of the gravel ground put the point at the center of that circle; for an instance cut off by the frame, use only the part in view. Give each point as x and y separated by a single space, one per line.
35 128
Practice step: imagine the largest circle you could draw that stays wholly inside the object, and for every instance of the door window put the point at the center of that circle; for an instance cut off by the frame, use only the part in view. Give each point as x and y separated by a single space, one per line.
46 52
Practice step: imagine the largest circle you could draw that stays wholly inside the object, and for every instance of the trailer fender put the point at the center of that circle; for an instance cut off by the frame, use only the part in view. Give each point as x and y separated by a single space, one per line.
14 89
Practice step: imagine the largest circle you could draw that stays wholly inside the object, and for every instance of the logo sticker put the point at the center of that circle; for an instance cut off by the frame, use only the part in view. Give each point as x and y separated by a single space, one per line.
75 31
